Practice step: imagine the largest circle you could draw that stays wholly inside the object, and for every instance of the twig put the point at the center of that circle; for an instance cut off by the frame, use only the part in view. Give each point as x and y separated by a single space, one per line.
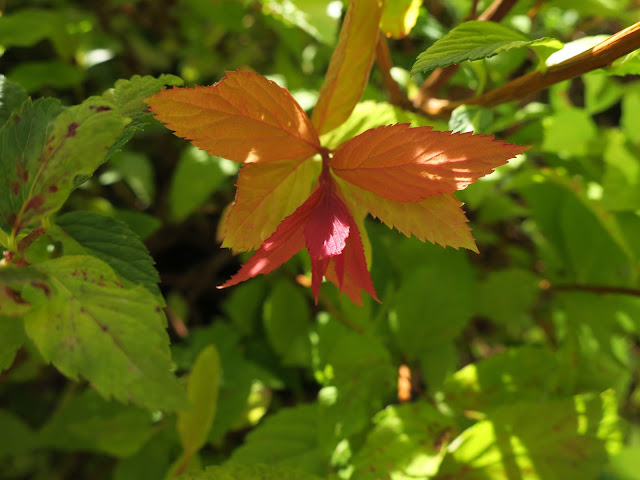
599 289
602 55
494 13
383 60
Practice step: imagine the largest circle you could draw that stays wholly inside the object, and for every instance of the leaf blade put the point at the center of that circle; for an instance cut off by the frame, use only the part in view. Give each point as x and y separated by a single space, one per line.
255 120
406 164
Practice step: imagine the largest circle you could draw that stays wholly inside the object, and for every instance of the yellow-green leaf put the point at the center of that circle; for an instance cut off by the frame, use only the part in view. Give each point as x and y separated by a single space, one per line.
399 17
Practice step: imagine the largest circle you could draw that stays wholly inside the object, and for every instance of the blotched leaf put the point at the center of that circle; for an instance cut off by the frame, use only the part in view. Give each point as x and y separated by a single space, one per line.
244 117
202 388
266 194
399 17
90 423
406 164
438 219
86 323
43 151
114 243
515 442
475 40
249 472
12 281
408 442
12 96
350 64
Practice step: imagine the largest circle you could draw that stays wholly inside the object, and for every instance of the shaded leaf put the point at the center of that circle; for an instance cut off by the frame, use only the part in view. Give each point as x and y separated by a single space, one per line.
249 472
43 153
87 324
12 282
16 436
507 296
288 438
406 164
438 219
266 194
113 242
202 388
348 71
407 442
33 76
90 423
11 339
475 40
244 117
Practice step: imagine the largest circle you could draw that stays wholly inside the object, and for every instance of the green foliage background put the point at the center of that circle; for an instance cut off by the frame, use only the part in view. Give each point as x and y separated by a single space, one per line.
523 358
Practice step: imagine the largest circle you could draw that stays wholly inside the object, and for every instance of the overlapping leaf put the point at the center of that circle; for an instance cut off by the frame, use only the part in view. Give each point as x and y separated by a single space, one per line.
350 64
410 164
438 219
267 193
244 117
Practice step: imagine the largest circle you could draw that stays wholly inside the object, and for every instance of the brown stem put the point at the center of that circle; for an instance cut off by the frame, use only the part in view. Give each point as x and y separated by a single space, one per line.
383 60
599 289
494 13
602 55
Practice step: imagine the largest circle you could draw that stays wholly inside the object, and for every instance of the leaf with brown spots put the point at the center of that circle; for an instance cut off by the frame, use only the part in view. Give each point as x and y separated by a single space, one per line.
42 154
90 325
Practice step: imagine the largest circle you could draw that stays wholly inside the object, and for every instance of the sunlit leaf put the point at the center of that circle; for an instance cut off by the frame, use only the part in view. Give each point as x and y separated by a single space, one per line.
399 17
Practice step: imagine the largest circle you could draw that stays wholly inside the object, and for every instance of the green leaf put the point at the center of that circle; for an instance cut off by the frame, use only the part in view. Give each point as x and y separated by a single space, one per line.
28 26
12 96
136 169
249 472
569 133
142 224
33 76
86 323
515 441
16 436
151 461
470 118
524 373
370 114
475 40
507 296
12 281
430 320
408 442
128 96
312 16
621 180
631 114
202 388
287 322
90 423
11 339
601 92
53 150
196 177
288 438
113 242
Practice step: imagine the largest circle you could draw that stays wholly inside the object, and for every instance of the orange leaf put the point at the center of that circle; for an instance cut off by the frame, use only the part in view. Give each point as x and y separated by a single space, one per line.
438 219
266 193
410 164
244 117
350 65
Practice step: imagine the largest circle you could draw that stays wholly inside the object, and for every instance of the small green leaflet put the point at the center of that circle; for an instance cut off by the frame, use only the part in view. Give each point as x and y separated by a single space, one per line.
475 40
202 388
113 242
86 323
249 472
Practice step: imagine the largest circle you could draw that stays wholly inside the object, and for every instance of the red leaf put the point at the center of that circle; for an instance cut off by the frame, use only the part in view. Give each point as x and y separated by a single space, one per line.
244 117
407 164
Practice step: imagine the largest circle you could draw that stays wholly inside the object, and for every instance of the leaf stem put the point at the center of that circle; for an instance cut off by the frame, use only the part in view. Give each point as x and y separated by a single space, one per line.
383 60
599 289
